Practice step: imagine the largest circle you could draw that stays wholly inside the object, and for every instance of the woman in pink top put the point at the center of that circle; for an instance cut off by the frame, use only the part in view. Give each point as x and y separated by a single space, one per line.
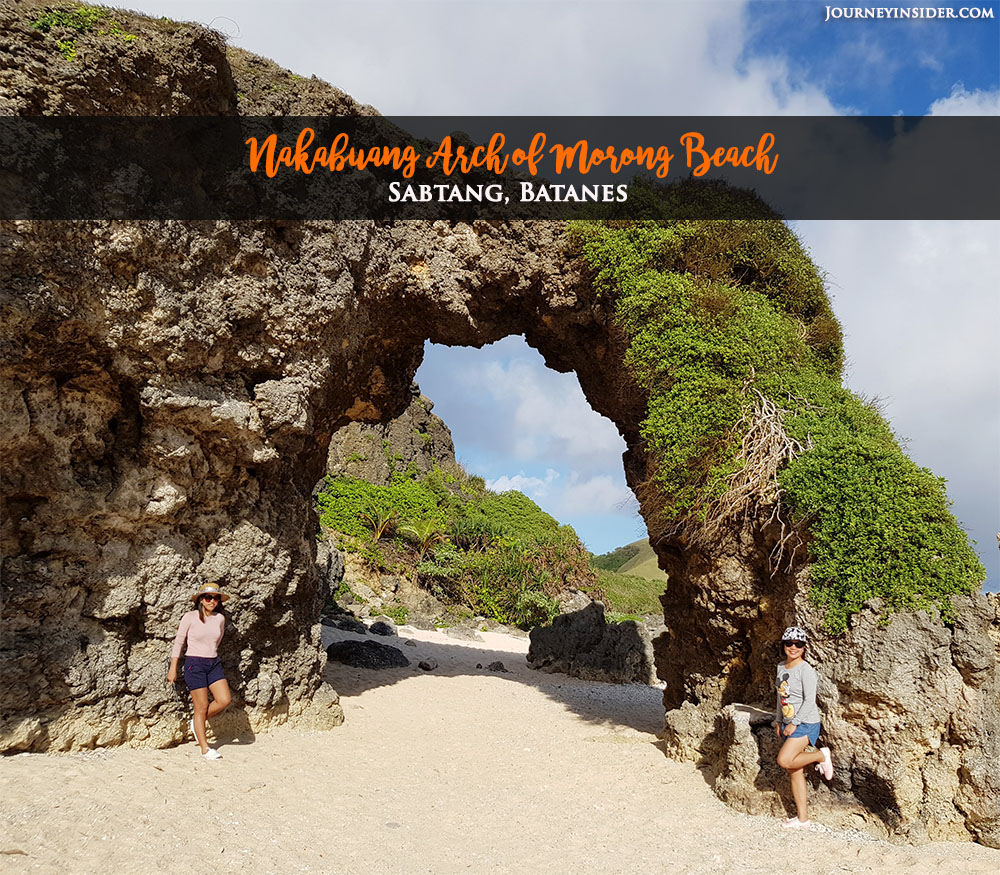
203 629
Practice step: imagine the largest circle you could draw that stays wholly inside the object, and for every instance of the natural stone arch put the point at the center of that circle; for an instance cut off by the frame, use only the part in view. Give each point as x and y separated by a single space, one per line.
169 392
166 422
167 429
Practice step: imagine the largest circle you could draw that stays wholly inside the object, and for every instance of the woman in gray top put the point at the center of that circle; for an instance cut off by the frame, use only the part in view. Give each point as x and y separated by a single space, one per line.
798 722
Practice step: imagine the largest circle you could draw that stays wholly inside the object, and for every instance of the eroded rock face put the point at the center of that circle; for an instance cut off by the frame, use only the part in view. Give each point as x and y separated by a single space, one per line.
584 645
910 708
168 395
170 391
417 439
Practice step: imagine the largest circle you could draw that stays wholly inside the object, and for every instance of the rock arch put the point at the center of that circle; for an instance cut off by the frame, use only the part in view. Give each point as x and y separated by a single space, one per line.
169 392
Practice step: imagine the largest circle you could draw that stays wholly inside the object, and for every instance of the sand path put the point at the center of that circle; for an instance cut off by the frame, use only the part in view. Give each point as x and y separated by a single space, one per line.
456 770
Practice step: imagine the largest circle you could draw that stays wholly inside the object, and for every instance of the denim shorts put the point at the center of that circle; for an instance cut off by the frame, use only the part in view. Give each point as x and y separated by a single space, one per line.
203 671
807 730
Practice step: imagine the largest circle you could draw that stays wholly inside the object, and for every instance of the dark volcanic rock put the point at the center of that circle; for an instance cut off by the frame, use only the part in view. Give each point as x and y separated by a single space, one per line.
583 645
367 654
382 627
348 624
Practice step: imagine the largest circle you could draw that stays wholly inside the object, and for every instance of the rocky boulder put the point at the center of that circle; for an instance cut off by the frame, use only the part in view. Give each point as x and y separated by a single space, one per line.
907 712
383 626
367 654
583 644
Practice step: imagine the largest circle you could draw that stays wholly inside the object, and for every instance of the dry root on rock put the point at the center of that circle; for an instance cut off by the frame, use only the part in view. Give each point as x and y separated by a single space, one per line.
765 448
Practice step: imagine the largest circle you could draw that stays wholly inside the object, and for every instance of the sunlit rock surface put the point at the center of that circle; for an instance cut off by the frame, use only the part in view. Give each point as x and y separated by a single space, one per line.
169 391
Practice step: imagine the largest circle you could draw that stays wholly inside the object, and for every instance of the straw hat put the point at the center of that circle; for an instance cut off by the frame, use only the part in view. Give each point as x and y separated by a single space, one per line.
209 588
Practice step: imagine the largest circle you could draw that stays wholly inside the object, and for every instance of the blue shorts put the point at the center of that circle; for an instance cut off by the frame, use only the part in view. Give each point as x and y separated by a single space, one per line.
807 730
202 671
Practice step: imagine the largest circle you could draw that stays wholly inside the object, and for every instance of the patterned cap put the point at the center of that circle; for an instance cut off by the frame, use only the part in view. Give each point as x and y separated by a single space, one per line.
794 633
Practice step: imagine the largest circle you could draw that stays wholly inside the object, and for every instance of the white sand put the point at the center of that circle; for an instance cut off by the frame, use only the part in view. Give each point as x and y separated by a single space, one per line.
456 770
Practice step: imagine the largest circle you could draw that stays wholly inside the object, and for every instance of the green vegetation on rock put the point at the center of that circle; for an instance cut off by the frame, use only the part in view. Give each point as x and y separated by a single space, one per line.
396 612
728 327
499 555
73 16
80 18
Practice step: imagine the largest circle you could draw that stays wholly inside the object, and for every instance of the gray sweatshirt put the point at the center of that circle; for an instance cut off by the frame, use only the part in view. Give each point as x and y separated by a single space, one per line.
797 694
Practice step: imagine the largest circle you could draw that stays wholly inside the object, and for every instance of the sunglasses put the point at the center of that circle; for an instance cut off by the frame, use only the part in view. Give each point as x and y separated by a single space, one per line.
209 598
794 643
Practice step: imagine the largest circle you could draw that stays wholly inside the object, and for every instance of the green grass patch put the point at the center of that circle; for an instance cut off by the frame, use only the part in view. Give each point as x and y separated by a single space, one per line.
396 612
629 594
613 617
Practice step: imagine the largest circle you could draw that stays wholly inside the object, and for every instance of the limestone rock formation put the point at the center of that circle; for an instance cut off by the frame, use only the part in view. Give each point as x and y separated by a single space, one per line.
909 711
584 645
168 391
417 439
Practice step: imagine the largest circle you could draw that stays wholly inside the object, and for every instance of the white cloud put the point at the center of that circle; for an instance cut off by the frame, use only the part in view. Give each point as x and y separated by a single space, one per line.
519 58
534 487
930 62
572 496
544 415
962 102
596 495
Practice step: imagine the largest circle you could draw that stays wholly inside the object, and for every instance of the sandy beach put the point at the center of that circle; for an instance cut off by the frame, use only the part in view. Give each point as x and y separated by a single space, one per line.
460 769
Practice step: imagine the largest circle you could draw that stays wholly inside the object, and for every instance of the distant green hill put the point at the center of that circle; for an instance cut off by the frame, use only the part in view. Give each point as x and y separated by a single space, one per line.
631 579
614 560
637 559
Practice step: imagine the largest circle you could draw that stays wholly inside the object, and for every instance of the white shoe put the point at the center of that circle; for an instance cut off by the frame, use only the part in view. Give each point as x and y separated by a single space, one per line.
795 823
825 768
212 754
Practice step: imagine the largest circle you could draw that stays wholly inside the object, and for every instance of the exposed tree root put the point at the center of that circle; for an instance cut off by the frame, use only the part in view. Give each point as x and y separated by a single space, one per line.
753 489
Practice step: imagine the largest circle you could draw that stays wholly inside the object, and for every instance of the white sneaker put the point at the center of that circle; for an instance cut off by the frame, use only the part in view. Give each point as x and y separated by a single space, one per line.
212 754
825 768
795 823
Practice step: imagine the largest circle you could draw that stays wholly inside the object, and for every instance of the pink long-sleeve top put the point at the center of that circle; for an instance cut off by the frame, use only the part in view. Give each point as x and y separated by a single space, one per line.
202 638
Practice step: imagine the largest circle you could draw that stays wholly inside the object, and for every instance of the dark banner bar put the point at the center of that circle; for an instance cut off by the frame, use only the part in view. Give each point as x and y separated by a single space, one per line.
499 168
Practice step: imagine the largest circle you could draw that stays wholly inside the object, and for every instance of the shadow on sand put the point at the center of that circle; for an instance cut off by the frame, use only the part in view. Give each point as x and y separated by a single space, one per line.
636 706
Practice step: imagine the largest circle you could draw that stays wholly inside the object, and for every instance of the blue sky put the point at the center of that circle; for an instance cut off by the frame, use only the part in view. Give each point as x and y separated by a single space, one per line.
918 300
877 67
